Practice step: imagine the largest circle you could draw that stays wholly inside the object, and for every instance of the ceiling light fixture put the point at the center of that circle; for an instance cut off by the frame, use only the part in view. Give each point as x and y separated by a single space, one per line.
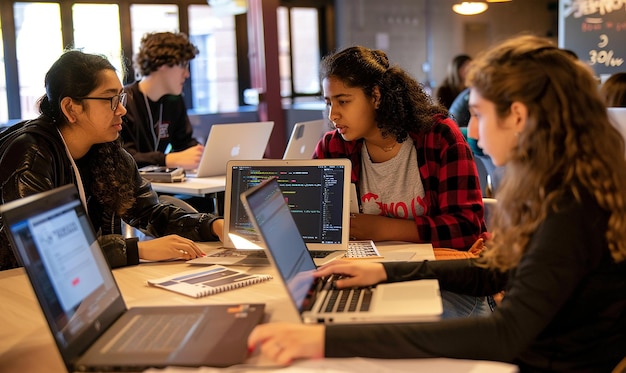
470 8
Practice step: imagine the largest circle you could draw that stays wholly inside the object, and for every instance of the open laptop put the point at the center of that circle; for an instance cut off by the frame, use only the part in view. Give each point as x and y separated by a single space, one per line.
316 300
232 141
94 331
317 191
304 138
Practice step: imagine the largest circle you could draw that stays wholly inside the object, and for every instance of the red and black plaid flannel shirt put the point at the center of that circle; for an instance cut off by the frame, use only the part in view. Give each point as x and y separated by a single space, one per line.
453 216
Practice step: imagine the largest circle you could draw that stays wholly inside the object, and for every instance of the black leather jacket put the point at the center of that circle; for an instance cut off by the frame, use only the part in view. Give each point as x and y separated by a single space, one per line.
33 159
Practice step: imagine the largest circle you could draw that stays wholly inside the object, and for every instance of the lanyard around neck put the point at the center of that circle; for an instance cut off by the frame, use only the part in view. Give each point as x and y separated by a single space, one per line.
156 139
79 180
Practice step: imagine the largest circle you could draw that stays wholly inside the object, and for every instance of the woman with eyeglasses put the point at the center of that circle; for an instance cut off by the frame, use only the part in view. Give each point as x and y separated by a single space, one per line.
76 140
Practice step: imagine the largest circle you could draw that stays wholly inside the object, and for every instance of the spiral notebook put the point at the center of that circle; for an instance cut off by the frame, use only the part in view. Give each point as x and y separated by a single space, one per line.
208 281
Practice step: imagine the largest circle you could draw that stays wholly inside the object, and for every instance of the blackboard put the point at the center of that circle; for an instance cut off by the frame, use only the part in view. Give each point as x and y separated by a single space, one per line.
596 32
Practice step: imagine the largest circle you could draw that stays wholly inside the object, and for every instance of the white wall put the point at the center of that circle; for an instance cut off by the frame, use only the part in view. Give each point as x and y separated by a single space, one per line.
402 28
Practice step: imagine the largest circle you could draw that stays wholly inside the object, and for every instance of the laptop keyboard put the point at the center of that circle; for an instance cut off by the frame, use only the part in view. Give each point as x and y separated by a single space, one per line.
348 300
362 249
345 300
154 333
356 250
261 254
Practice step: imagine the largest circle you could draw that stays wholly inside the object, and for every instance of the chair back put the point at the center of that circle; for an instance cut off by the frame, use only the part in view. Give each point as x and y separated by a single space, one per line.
490 205
485 168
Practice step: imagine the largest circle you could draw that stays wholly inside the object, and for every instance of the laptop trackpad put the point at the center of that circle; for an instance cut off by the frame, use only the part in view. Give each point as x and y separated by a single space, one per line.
392 298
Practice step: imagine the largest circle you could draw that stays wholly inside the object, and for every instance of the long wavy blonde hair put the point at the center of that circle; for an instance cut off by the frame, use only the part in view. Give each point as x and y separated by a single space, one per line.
568 144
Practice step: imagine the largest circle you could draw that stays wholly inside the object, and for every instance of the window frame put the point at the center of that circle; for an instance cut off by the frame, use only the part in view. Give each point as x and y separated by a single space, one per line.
326 40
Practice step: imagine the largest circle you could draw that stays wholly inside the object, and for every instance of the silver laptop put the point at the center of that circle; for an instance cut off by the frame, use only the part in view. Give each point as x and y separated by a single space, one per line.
94 331
304 138
317 191
316 300
232 141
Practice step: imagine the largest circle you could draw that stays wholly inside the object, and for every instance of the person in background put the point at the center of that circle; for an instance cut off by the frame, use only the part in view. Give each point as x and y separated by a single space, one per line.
559 234
157 115
414 173
454 81
459 110
614 90
75 140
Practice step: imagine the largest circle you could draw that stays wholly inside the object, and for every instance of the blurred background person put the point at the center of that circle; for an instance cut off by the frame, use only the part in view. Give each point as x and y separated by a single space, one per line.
454 81
614 90
459 110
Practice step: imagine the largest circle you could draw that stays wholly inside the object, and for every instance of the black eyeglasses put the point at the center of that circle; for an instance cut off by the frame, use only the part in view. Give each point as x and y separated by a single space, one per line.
115 100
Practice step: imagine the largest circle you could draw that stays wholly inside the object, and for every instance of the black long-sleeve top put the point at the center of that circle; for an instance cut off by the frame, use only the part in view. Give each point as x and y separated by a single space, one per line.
138 136
564 307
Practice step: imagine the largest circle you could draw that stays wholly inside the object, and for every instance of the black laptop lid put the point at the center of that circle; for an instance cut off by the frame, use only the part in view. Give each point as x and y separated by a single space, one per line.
271 216
53 238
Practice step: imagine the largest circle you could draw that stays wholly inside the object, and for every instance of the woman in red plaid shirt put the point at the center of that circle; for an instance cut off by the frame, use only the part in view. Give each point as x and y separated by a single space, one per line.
414 171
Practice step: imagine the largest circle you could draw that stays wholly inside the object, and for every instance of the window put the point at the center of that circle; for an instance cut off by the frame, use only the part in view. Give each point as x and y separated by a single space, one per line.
89 22
299 52
305 50
214 70
100 27
284 51
146 18
39 25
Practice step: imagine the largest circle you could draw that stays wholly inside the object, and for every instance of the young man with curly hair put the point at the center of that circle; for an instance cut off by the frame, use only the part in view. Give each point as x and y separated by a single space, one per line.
157 115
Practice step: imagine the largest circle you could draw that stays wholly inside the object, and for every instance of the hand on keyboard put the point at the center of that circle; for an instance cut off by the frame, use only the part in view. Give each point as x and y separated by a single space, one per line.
353 273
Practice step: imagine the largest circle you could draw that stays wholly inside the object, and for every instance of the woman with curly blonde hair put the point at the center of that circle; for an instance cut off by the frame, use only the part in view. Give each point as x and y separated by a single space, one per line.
559 234
570 153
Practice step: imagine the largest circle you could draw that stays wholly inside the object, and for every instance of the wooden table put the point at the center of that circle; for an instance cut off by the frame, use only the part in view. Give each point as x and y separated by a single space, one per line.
26 344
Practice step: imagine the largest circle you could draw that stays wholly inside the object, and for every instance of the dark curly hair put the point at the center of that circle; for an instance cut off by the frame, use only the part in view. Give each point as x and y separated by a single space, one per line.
163 48
76 74
404 104
110 181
